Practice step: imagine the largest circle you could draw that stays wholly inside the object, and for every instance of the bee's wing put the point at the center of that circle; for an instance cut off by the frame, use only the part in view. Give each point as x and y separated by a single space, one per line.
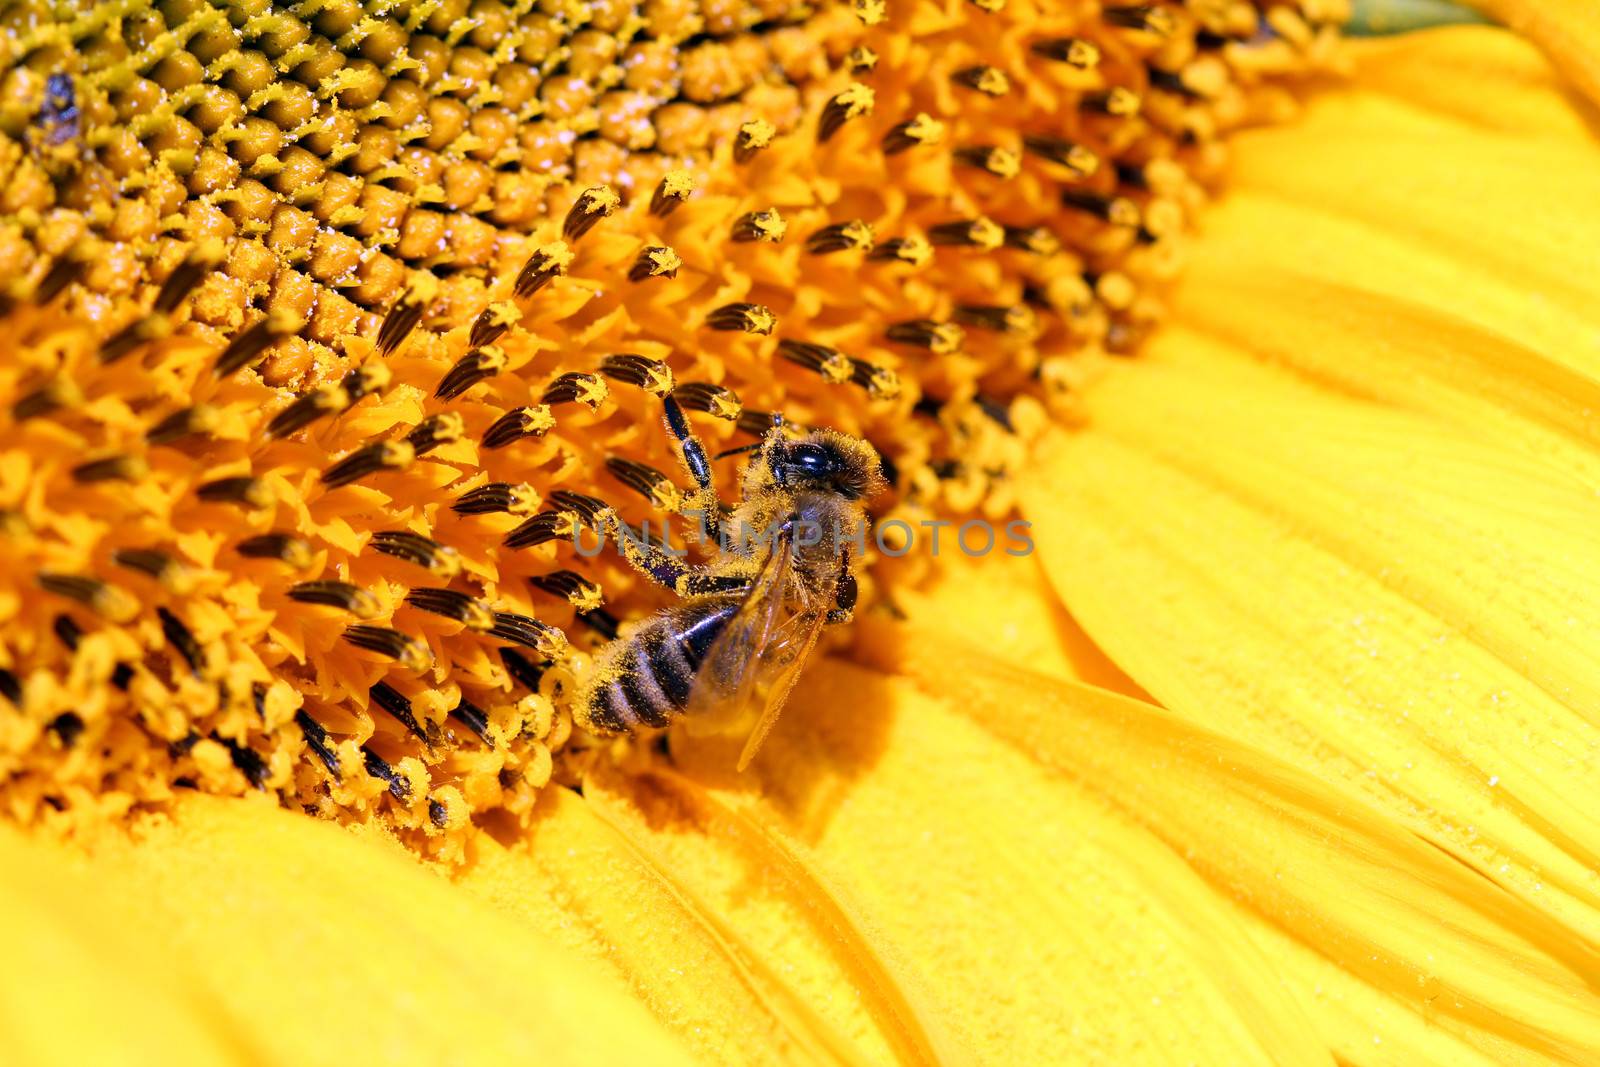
777 671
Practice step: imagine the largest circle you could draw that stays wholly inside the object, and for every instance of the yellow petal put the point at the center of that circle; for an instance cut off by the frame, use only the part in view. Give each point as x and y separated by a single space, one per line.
1416 935
298 942
1568 29
1345 509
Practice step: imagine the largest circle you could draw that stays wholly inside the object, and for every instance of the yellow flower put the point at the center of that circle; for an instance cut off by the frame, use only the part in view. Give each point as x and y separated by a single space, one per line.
1276 750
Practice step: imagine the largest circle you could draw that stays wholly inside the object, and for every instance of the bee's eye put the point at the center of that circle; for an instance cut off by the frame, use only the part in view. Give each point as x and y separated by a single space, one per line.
813 461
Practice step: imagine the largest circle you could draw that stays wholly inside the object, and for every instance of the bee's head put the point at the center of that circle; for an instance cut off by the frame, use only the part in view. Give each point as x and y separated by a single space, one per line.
827 461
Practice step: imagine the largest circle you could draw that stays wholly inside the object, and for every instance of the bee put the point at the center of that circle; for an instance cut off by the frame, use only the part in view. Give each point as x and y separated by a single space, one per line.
728 654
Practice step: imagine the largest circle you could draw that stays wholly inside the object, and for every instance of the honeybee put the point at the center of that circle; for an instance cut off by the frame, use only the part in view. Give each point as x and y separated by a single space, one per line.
731 651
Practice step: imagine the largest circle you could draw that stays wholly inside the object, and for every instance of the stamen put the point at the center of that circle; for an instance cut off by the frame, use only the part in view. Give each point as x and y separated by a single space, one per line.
1034 239
973 233
123 468
304 410
317 741
473 718
1075 52
870 12
67 727
646 481
860 60
749 318
529 633
435 430
856 100
470 369
154 564
656 261
758 423
577 387
591 206
940 338
141 332
334 594
62 273
578 591
752 137
601 622
591 508
518 499
491 323
673 189
922 130
246 760
546 262
254 342
1013 318
522 670
179 637
378 767
990 81
881 383
1150 18
369 459
1001 162
67 631
653 377
518 423
715 400
186 422
52 396
1117 102
406 312
765 225
284 547
467 610
834 366
840 237
368 378
1076 158
540 529
245 491
201 260
913 250
415 548
408 652
1117 210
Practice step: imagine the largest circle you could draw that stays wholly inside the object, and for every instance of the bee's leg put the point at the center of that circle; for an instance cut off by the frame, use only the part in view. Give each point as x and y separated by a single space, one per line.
653 561
699 584
704 500
844 592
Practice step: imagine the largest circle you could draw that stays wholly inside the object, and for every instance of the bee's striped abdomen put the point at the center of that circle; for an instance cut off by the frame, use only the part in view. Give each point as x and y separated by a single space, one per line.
652 672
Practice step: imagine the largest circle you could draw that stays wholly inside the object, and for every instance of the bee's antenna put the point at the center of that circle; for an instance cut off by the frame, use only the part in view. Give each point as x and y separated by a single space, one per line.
737 451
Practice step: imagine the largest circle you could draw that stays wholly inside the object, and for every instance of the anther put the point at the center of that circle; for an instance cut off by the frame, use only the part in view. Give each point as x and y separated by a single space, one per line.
881 383
522 670
577 590
589 508
1117 210
471 612
990 81
751 138
715 400
406 312
757 423
673 189
856 100
529 633
491 323
591 206
425 552
283 547
472 368
179 637
367 460
840 237
1076 158
62 273
1149 18
1034 239
67 631
334 594
317 741
540 529
913 250
546 262
137 333
1075 52
408 652
368 378
153 564
52 396
512 499
833 366
442 429
971 233
378 767
747 318
648 482
202 260
119 468
253 342
1014 318
765 225
103 599
861 60
473 718
1117 102
601 622
650 375
577 387
655 261
870 12
922 130
518 423
395 703
185 422
1001 162
306 409
940 338
245 491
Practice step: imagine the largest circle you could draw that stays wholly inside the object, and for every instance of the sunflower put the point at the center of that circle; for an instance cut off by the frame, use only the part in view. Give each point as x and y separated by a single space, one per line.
327 324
